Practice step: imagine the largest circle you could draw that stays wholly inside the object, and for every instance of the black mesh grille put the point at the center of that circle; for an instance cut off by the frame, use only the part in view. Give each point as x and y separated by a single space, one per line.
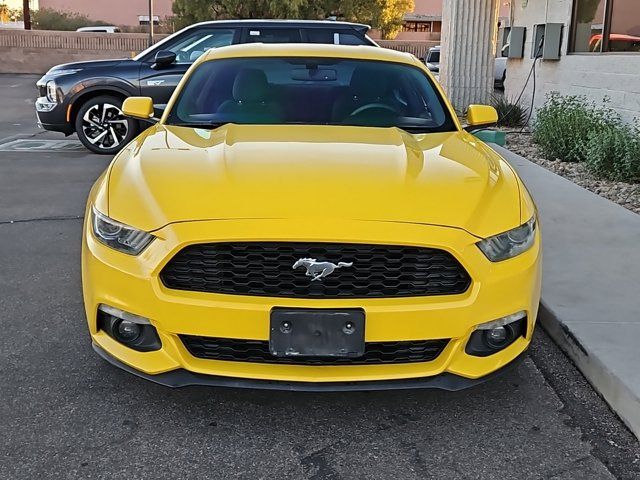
265 269
257 351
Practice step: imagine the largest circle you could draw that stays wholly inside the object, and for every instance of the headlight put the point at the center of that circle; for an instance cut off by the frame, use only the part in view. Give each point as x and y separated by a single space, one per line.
509 244
118 236
52 94
64 71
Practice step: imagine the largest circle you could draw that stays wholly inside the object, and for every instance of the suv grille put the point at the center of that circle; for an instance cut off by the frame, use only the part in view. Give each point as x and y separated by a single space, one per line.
257 351
265 269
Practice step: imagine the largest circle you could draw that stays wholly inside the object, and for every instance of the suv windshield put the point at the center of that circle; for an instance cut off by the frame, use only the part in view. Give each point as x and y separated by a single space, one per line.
311 91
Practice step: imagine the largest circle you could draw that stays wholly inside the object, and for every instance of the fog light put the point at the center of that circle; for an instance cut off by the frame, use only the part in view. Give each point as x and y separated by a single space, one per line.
42 105
127 331
496 335
132 330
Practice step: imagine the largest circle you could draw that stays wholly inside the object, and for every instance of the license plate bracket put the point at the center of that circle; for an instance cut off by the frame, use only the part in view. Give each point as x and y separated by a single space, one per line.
311 332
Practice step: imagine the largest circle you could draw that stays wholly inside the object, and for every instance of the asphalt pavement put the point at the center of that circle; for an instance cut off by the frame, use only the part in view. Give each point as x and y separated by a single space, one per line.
65 413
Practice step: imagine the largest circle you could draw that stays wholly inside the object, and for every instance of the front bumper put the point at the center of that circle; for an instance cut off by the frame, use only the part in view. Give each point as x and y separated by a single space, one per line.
184 378
53 116
132 284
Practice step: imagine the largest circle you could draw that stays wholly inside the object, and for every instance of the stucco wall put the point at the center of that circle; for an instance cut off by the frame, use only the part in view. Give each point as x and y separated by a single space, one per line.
612 75
38 50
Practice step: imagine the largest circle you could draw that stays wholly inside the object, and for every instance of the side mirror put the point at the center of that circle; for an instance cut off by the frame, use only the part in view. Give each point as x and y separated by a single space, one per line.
138 107
481 115
163 59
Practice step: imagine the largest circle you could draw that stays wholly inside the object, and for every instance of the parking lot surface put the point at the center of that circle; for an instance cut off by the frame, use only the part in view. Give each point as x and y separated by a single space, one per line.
65 413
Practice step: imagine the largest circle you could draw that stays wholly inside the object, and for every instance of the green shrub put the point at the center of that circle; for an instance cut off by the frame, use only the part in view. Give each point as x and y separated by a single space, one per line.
563 126
573 129
50 19
510 114
615 153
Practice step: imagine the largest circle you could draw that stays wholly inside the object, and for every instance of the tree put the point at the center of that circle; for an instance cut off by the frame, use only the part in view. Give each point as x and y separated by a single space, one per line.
385 15
191 11
389 14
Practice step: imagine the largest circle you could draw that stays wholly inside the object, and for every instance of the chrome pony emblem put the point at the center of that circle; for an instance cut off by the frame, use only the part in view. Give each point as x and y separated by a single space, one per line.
319 270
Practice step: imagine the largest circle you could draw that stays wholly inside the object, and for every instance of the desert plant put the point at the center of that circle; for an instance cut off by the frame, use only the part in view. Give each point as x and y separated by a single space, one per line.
510 114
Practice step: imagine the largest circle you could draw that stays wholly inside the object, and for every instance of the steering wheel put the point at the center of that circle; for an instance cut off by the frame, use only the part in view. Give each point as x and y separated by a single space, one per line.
182 56
373 106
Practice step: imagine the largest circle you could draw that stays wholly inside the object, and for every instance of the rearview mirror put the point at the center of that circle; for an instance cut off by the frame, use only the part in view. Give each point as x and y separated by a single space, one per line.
138 107
481 115
163 59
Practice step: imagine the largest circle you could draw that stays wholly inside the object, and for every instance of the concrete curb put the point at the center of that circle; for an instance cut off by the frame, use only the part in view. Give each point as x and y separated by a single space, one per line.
611 387
590 296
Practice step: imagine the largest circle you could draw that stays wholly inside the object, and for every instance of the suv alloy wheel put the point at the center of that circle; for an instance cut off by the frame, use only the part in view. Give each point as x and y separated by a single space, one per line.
102 127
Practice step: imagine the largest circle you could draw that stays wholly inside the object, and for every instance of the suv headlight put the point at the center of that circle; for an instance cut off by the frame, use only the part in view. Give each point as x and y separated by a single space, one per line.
119 236
509 244
52 94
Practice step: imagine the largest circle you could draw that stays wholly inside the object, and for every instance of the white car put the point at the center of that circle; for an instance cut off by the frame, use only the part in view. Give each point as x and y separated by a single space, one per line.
432 61
100 29
500 72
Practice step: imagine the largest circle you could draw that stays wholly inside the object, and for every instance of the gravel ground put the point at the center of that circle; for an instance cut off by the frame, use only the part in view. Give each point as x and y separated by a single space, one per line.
622 193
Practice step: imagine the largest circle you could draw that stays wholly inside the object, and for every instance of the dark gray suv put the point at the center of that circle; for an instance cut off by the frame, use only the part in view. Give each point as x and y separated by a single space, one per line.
86 97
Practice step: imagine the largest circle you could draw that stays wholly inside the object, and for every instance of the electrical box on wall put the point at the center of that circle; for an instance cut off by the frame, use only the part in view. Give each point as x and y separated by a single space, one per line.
547 41
515 42
552 41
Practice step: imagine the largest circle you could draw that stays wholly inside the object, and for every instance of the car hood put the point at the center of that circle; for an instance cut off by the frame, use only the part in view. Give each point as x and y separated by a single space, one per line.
87 64
175 174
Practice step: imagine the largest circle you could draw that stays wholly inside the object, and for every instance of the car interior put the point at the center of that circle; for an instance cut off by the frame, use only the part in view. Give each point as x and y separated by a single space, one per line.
355 93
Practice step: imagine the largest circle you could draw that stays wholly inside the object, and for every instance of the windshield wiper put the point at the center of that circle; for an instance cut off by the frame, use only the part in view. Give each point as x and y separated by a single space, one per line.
203 125
416 128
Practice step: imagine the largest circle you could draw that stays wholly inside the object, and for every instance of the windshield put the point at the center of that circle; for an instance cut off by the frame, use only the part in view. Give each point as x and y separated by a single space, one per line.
311 91
434 56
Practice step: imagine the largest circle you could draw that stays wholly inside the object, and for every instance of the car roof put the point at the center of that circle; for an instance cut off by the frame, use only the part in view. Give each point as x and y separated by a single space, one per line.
288 23
246 50
94 27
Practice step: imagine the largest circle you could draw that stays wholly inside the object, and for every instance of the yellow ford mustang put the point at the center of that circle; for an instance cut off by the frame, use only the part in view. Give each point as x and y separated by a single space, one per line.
310 217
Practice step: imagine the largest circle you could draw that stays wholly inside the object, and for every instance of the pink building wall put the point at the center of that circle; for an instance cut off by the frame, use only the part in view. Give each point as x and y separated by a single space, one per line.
428 7
117 12
434 7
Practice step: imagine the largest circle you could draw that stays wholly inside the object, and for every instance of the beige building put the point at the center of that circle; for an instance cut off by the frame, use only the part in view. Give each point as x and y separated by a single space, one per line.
116 12
599 52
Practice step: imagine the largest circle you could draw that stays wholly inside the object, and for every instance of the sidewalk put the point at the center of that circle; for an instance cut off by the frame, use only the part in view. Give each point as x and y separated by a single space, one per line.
591 283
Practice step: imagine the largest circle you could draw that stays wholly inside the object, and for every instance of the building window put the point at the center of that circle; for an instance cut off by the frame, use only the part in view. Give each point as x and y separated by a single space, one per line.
605 26
416 27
